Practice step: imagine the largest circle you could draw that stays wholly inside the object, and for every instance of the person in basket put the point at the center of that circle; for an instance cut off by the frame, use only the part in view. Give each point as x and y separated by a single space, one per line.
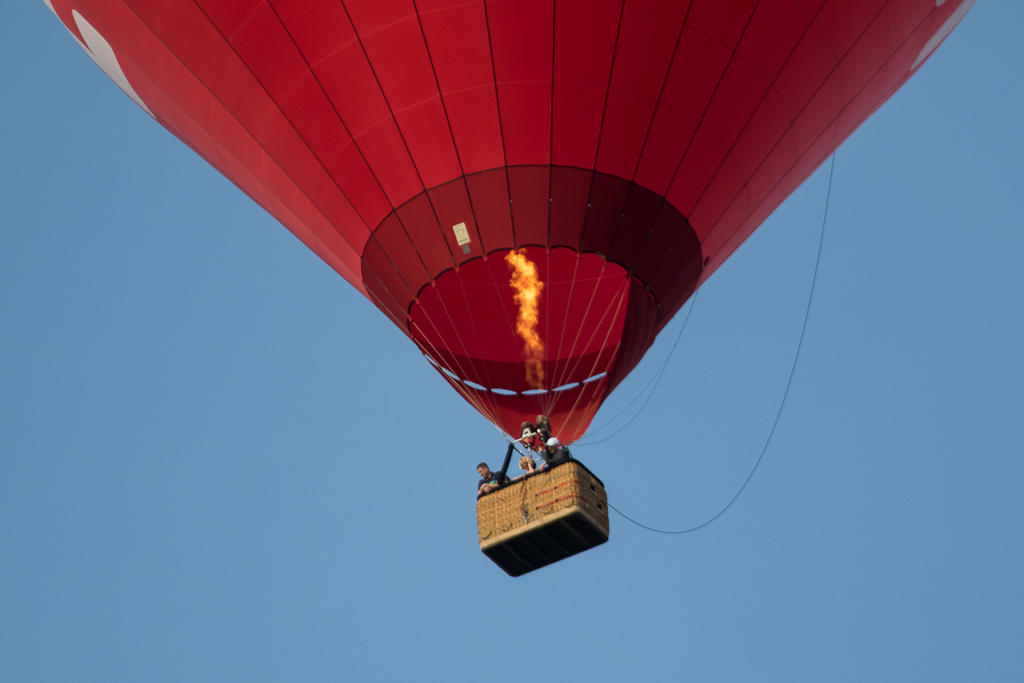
488 480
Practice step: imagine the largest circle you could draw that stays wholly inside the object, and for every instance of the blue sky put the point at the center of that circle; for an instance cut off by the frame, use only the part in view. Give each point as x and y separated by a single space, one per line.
219 462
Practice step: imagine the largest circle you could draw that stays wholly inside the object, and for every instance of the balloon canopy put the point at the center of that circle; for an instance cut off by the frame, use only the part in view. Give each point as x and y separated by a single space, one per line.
528 189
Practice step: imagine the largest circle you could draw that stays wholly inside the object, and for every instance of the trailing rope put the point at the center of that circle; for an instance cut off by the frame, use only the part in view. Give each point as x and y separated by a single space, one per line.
789 383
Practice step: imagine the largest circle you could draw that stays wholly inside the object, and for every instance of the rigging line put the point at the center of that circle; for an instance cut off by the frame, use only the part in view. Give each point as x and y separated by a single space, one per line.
621 295
566 371
576 364
624 296
785 394
656 379
458 385
556 375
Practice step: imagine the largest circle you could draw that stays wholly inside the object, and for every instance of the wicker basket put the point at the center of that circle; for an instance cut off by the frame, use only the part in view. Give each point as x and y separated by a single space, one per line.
543 518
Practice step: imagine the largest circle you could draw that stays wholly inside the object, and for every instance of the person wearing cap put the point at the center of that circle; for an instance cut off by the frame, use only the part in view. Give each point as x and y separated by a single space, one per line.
553 453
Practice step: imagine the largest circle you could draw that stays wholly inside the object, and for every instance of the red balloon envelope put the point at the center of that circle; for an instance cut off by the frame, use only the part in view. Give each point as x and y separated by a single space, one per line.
624 149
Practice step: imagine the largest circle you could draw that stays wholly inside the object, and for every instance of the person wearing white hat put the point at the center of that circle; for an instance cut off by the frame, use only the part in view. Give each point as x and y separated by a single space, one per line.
553 453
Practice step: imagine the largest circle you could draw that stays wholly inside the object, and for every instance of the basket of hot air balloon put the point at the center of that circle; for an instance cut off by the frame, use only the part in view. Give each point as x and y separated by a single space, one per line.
543 518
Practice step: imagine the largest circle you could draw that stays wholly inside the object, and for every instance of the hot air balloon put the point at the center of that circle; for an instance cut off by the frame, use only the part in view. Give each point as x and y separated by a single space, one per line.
528 189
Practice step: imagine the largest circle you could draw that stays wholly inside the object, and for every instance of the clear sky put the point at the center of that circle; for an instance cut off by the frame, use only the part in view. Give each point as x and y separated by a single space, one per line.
218 462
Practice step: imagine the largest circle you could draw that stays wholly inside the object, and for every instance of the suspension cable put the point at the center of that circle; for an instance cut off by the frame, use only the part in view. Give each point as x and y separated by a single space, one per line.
655 379
785 395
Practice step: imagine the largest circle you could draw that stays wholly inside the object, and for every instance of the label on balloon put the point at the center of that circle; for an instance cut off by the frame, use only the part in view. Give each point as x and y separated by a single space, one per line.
461 234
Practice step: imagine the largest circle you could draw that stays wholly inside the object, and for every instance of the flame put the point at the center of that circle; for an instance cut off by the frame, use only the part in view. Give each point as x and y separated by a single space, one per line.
527 295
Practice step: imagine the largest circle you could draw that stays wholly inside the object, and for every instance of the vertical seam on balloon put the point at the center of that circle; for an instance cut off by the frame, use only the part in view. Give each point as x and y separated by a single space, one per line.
824 130
551 127
472 209
444 108
440 228
551 200
501 127
650 125
271 99
547 400
494 77
437 83
643 240
650 276
833 132
211 98
405 280
511 213
769 89
619 221
888 27
837 70
369 62
412 243
824 33
681 231
277 106
721 77
408 151
334 108
600 128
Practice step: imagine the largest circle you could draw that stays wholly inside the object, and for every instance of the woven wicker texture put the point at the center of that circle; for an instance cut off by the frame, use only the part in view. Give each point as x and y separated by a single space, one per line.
536 497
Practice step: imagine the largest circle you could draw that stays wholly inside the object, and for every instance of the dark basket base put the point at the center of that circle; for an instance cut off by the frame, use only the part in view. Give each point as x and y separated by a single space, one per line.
546 544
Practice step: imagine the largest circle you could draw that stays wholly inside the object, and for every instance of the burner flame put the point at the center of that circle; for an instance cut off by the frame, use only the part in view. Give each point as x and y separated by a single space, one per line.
527 290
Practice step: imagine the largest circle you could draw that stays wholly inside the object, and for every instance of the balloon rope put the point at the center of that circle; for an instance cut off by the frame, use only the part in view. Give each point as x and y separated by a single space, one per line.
655 379
796 357
597 358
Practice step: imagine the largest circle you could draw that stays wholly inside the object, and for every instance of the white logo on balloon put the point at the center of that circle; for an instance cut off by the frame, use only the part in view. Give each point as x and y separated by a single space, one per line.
99 50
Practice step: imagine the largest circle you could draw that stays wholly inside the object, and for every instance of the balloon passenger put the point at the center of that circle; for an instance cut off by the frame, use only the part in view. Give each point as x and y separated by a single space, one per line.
489 481
554 453
528 466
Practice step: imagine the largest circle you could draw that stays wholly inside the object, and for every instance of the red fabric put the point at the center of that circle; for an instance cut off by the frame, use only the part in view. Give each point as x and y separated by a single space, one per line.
632 147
